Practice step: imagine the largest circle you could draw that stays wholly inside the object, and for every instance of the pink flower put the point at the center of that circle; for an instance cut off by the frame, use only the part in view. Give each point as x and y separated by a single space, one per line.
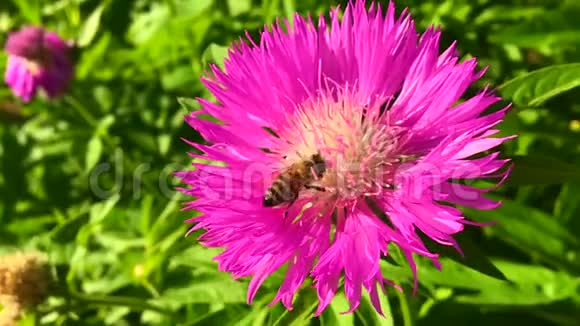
37 58
370 109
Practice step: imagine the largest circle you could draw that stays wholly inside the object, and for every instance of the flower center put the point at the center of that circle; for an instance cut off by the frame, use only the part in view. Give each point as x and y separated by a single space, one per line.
32 66
358 145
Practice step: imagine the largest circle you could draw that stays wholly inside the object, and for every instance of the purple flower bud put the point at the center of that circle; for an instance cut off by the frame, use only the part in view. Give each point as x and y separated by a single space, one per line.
37 58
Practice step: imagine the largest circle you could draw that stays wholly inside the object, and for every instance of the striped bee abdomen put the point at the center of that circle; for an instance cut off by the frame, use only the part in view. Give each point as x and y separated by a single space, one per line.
282 191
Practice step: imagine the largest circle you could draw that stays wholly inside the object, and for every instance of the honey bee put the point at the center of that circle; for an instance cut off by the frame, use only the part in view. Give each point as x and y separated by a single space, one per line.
298 176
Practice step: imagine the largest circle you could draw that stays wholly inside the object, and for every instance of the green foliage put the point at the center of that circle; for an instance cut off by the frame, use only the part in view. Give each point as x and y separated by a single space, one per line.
535 88
88 179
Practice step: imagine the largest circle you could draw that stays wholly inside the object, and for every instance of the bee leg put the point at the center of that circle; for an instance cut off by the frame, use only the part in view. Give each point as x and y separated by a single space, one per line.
315 187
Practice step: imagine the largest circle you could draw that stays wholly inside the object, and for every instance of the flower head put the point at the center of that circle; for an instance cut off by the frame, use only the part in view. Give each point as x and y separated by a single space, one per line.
323 125
25 277
10 310
37 58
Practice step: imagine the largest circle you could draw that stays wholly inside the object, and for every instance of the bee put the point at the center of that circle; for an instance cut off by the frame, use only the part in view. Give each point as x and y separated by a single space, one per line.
298 176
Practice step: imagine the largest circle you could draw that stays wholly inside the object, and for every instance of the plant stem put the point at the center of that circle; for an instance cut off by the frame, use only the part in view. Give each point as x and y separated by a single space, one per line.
405 310
81 110
118 301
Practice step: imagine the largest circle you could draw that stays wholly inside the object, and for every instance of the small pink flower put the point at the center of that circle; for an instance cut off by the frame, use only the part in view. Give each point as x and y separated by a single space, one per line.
37 58
379 105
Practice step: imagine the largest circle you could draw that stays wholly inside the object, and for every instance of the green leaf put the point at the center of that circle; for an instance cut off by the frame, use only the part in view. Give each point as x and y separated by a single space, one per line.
104 124
94 152
30 226
189 104
534 170
30 9
536 87
333 315
99 211
452 274
532 230
396 273
528 284
215 54
181 76
146 213
198 257
303 311
230 315
104 97
541 40
146 24
507 13
193 8
158 234
208 288
67 231
238 7
531 285
117 243
567 207
92 56
90 28
549 32
116 315
368 316
164 142
289 10
106 285
473 257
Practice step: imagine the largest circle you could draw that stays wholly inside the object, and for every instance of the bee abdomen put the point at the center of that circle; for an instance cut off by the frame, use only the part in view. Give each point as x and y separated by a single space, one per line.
279 193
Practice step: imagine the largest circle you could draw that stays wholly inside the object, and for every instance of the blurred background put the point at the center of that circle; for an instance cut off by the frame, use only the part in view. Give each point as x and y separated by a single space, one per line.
87 179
